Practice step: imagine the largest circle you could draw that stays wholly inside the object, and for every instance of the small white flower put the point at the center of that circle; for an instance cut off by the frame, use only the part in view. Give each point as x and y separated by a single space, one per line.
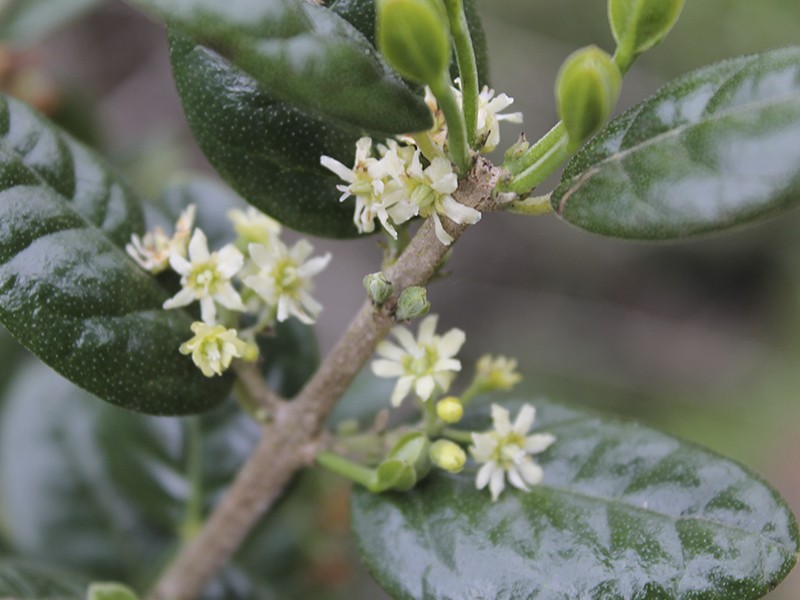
207 277
152 251
283 279
506 451
213 347
489 117
253 226
498 372
430 193
425 364
368 181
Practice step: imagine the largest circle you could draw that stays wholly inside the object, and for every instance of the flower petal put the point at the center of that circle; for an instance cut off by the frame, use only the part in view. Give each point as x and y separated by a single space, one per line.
524 420
198 247
401 389
427 329
497 483
485 473
387 368
531 472
182 298
500 418
425 387
539 442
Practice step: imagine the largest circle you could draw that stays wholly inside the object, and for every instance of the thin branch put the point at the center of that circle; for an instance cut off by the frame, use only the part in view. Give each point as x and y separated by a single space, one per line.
290 442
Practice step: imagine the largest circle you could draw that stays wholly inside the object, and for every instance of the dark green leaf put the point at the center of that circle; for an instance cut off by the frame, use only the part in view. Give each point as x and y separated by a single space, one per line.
623 512
290 355
715 149
305 55
72 296
24 22
86 485
20 580
266 150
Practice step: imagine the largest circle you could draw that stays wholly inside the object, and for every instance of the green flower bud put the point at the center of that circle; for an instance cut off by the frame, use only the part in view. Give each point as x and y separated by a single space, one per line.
450 409
414 36
407 463
638 25
448 455
587 89
378 288
413 303
110 591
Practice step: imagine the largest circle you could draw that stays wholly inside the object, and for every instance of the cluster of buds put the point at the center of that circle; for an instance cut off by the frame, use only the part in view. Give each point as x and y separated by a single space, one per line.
258 275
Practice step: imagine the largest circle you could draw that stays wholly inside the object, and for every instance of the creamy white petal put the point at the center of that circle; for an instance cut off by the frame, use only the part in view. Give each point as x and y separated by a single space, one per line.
302 315
538 442
208 309
314 266
301 251
184 297
451 342
406 339
261 255
500 419
516 480
524 420
311 305
444 237
179 264
230 298
284 308
390 351
531 472
229 261
401 389
198 247
485 473
427 329
387 368
425 387
497 483
458 212
338 168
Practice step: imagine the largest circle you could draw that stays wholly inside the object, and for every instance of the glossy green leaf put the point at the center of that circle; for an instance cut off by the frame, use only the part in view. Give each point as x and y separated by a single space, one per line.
253 142
303 54
623 512
715 149
69 293
24 22
110 493
22 580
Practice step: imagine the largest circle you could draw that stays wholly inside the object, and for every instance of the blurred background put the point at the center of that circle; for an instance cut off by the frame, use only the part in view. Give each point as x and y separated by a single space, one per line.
700 339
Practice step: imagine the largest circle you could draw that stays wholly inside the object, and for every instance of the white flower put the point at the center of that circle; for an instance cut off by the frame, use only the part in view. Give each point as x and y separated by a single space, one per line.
498 372
430 193
506 450
368 181
425 363
152 251
283 279
207 277
253 226
489 117
213 347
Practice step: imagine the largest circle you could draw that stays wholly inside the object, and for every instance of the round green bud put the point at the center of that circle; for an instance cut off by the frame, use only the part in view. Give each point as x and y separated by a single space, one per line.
413 303
379 289
450 409
448 455
414 36
587 89
638 25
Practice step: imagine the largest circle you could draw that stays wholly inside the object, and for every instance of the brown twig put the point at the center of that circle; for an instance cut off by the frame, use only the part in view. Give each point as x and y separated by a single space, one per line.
289 442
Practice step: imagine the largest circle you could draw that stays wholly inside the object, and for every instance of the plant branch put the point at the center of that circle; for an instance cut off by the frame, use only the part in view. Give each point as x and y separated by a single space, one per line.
291 440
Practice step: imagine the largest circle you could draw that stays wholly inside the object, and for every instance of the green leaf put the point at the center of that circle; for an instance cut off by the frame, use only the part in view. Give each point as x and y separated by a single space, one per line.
253 142
623 512
24 22
69 293
123 488
22 580
303 54
715 149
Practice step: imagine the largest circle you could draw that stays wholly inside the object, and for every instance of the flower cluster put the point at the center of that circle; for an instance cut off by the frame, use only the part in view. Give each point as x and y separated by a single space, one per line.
257 274
412 176
426 365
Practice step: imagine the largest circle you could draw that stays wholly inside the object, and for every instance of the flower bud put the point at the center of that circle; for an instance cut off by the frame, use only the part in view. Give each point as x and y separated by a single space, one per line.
413 303
407 463
450 409
638 25
414 36
379 289
448 455
587 89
